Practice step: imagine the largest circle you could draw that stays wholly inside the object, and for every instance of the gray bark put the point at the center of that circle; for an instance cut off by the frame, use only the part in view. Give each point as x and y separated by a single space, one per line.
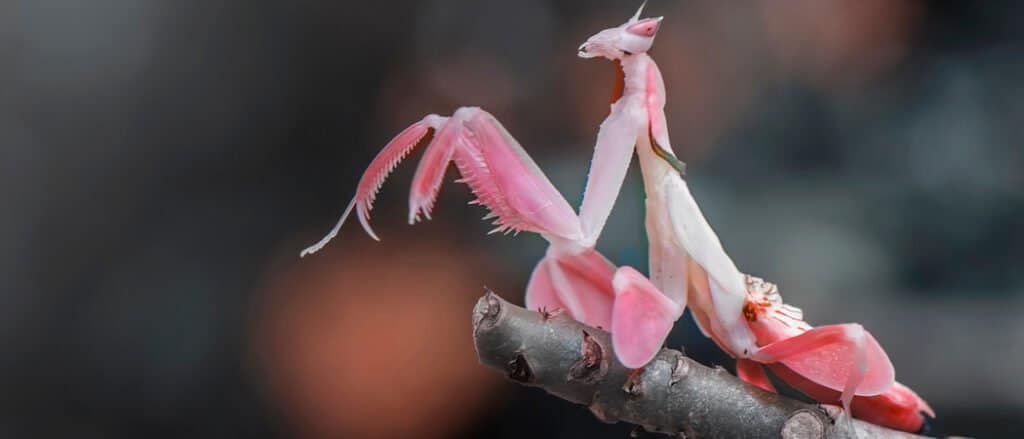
671 395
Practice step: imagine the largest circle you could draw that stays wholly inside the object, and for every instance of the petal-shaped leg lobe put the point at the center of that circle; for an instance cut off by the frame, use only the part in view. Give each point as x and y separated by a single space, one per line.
830 355
642 317
580 284
898 408
541 293
751 372
590 275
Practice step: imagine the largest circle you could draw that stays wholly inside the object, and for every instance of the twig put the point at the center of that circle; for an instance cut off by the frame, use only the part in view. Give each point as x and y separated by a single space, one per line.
672 394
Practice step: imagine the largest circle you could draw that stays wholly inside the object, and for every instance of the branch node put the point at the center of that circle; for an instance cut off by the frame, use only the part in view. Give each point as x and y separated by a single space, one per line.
634 384
519 369
591 367
803 424
679 371
486 311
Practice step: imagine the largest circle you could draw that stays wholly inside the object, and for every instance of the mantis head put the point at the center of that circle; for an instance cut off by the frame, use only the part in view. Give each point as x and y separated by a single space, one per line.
632 37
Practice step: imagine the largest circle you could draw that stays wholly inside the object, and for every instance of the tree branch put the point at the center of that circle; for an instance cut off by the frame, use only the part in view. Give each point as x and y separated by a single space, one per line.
672 394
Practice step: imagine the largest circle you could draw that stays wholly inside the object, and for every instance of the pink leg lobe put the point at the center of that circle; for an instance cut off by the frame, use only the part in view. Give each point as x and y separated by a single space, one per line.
641 318
844 357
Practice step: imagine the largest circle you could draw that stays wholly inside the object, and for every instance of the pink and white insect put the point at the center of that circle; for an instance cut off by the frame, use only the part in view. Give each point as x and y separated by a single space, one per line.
743 315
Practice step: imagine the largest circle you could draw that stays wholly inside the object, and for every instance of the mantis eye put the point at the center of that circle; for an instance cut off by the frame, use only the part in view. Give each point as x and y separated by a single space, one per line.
645 28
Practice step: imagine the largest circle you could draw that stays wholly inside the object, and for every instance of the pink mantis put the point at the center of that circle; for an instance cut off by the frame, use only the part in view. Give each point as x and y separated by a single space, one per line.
745 316
688 266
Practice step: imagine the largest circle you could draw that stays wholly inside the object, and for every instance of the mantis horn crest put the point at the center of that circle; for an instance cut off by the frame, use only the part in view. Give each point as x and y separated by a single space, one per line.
636 16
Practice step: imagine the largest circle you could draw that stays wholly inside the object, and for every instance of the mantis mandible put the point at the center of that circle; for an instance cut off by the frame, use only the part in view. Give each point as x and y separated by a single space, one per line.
744 315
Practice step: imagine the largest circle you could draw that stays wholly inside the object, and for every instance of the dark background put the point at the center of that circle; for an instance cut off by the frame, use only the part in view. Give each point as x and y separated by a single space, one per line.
163 162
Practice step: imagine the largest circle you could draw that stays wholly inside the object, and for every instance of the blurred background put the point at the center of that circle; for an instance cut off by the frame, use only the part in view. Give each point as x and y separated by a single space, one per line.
163 162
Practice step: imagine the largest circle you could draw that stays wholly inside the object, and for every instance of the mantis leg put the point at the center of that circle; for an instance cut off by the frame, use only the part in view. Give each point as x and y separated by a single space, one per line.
377 172
612 154
508 181
716 271
499 172
492 163
668 263
841 357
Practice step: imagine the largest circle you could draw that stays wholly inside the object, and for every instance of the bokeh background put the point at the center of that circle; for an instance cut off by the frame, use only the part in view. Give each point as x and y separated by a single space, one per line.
163 162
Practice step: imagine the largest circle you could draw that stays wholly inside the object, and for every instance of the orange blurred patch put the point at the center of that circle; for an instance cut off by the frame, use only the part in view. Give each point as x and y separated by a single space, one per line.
374 340
836 42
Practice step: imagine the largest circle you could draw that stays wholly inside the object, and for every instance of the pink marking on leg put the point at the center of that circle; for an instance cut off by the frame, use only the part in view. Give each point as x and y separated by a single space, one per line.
642 317
656 107
751 372
841 357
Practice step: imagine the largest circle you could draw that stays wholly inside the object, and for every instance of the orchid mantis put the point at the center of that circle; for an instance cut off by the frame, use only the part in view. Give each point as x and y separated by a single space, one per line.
744 315
688 266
